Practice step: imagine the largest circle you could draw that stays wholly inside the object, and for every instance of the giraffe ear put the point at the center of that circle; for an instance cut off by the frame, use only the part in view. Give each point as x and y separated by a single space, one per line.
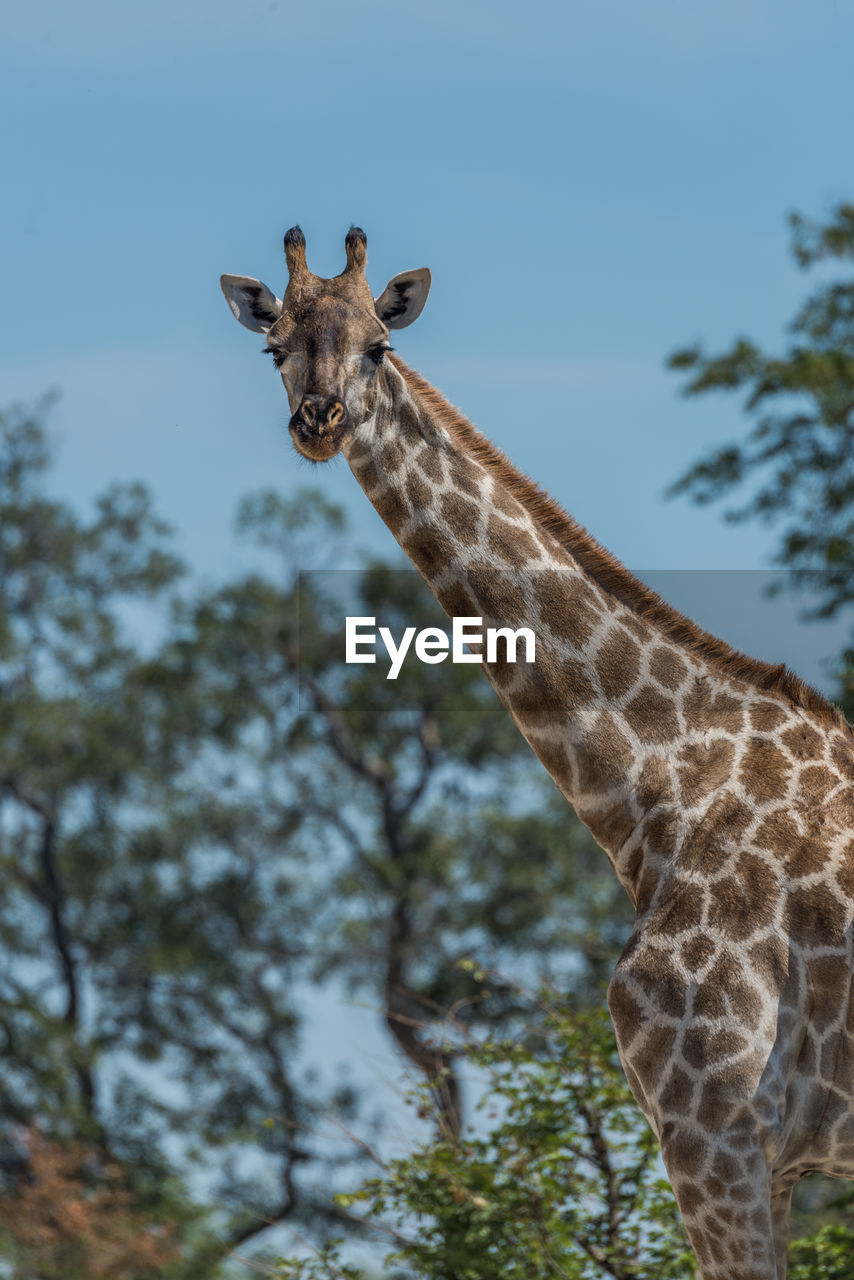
252 302
403 298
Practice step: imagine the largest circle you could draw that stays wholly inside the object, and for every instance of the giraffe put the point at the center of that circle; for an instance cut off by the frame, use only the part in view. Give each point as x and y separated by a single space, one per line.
720 787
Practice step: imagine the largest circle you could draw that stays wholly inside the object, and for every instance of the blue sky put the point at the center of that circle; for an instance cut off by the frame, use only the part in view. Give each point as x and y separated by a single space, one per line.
591 184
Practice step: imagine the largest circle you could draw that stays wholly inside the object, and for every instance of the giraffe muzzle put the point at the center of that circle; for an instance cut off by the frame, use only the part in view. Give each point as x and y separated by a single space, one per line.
320 426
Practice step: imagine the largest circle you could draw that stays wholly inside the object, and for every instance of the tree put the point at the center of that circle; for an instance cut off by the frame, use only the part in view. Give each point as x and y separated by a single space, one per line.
196 828
135 931
800 450
564 1182
74 1220
560 1178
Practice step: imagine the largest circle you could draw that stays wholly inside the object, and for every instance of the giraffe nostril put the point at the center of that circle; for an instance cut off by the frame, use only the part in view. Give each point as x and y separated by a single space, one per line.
335 414
307 410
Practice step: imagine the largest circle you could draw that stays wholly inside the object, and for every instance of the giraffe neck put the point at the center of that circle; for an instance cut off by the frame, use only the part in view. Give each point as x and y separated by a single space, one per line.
621 686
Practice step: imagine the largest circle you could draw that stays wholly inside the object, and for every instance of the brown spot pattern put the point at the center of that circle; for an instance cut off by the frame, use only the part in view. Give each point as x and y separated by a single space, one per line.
767 960
553 689
653 785
815 781
779 834
838 810
513 545
703 1048
845 873
390 457
703 769
461 515
506 504
652 715
842 755
638 628
719 1094
802 741
697 952
764 772
617 663
824 974
604 754
610 828
660 834
667 668
499 595
656 1047
816 917
464 476
431 550
537 703
391 508
626 1013
369 477
707 707
577 683
683 911
566 605
417 491
744 903
457 602
709 1000
656 975
430 462
678 1092
554 758
766 716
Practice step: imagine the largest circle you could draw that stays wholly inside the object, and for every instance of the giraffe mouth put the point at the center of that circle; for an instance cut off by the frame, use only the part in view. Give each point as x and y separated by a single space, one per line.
318 444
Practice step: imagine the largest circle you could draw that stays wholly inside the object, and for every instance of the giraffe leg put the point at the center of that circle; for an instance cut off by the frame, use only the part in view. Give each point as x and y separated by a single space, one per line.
781 1209
724 1196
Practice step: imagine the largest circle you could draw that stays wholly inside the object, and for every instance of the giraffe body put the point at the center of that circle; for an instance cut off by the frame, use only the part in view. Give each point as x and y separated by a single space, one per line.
722 790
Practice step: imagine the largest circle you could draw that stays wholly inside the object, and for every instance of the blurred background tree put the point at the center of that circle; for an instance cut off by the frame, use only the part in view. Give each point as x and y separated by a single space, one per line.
204 814
799 453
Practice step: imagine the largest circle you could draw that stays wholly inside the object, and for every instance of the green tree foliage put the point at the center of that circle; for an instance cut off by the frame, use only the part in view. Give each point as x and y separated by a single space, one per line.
799 453
149 950
72 753
558 1179
564 1181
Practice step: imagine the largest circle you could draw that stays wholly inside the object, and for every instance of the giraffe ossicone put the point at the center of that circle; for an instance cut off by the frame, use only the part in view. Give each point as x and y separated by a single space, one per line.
721 788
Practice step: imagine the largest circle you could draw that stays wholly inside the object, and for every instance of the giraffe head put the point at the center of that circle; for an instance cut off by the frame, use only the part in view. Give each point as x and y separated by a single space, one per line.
327 338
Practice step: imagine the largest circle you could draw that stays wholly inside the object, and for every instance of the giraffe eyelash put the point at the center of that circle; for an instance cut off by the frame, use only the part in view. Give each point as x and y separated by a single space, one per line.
279 356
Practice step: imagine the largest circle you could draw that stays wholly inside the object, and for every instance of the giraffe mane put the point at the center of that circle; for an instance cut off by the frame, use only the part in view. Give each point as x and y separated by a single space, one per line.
609 572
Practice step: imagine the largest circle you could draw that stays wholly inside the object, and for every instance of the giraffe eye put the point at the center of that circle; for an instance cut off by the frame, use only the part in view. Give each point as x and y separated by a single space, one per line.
376 354
279 355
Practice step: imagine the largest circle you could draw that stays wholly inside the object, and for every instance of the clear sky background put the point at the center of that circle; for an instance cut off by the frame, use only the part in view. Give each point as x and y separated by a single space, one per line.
593 184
